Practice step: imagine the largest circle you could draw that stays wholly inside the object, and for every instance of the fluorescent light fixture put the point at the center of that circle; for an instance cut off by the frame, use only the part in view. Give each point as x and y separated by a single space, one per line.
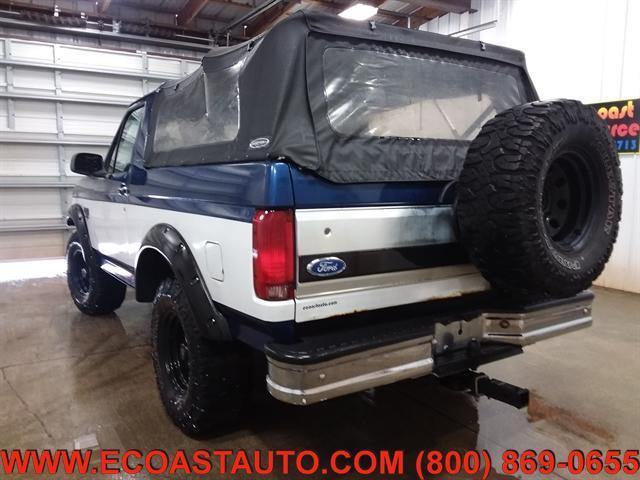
359 11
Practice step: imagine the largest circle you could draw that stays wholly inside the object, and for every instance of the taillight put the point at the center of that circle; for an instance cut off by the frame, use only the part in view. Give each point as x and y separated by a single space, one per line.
273 254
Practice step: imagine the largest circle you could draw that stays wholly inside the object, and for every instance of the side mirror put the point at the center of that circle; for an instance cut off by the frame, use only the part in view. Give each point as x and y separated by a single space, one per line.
90 164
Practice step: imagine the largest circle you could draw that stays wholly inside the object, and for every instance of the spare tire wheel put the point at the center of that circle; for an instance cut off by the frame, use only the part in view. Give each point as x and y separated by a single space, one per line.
539 199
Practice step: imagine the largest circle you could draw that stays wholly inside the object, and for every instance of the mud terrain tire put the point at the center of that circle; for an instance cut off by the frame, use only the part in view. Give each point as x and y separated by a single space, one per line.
93 291
539 199
203 384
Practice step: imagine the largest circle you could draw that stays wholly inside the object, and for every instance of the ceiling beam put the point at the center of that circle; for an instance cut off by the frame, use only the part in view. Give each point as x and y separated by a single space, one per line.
247 6
191 11
444 6
422 15
103 6
270 18
67 18
231 3
418 15
283 10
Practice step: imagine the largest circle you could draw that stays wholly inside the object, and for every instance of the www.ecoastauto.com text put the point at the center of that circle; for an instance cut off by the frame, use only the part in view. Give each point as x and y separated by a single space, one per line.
391 463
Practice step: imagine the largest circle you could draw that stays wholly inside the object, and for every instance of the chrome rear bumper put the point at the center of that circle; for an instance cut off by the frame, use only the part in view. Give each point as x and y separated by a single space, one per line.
530 327
306 382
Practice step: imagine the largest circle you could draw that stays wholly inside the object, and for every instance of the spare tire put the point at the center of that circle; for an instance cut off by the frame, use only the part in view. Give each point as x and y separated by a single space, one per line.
539 199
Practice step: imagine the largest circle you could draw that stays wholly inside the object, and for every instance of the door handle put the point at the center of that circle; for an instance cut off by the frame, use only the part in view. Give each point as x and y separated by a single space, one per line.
123 190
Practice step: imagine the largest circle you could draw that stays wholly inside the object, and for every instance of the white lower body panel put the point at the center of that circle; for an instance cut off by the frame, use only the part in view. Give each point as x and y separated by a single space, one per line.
454 282
233 238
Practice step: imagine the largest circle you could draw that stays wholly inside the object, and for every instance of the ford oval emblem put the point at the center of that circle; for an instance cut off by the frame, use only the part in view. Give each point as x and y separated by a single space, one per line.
326 267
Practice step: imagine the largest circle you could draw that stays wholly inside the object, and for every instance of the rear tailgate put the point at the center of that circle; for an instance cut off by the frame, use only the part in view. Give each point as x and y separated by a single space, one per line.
377 256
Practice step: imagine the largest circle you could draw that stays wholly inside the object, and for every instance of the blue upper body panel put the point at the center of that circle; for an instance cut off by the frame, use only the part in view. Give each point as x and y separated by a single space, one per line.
312 191
234 191
228 191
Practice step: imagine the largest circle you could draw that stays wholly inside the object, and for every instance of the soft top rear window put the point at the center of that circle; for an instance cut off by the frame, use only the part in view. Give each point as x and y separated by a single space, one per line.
379 94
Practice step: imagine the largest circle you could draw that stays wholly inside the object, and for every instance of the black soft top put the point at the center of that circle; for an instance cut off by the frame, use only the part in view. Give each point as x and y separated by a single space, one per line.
267 98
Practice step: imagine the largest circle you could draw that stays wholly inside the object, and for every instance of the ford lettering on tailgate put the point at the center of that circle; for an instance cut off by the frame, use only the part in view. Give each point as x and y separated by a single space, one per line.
326 267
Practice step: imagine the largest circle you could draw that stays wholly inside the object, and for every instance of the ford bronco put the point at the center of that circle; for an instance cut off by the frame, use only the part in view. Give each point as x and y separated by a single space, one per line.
346 205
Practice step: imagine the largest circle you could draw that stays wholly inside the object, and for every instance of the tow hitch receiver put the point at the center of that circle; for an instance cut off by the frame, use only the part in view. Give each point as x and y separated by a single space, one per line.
477 383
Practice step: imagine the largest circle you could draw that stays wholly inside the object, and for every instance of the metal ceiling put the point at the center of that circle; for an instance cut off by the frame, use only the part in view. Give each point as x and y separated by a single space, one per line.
200 23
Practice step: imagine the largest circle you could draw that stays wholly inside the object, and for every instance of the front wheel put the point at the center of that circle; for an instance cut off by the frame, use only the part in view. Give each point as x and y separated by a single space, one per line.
203 384
93 291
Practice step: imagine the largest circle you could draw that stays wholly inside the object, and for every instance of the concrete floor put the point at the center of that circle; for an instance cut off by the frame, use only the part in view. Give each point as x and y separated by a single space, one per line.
65 375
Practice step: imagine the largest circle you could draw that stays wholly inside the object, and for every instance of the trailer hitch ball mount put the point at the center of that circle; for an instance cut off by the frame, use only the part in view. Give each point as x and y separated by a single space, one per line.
477 384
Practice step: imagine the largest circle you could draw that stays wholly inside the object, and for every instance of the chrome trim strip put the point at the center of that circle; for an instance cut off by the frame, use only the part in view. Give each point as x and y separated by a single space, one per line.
329 230
120 273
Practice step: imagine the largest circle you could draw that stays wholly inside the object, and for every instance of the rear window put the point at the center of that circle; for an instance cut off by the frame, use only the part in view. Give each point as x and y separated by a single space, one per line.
378 94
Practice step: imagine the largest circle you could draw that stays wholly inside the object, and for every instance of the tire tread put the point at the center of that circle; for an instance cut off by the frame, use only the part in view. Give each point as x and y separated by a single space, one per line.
497 199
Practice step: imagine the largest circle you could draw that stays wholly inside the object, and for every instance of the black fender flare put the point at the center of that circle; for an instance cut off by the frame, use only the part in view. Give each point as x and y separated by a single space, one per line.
166 240
78 219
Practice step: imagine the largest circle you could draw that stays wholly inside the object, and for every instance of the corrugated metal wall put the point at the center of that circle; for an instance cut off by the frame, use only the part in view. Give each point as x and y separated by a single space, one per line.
584 49
57 99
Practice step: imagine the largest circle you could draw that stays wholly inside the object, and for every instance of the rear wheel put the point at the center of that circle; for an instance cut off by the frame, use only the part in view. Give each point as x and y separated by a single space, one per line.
539 199
203 384
93 291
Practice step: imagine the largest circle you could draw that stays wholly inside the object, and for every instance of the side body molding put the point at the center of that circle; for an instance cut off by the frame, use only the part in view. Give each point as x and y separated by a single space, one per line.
165 240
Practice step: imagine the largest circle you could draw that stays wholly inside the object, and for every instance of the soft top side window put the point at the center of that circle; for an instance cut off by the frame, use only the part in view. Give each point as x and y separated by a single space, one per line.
127 145
204 109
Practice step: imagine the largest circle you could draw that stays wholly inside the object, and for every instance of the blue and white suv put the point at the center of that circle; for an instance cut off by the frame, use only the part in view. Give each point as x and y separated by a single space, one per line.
357 203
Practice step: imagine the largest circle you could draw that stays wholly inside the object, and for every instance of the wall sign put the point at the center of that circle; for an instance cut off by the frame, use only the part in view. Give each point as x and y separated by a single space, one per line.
623 120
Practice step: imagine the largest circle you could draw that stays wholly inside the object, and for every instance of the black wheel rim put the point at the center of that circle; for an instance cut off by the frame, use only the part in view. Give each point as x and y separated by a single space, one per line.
80 274
176 354
570 190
